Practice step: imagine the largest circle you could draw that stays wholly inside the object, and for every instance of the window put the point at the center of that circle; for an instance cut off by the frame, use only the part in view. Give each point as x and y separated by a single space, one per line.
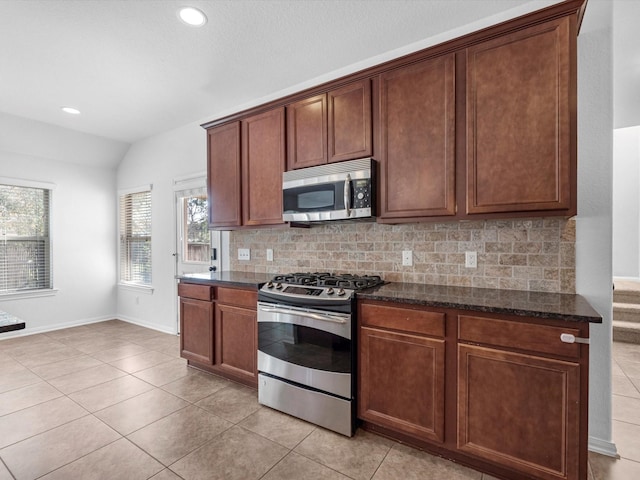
135 237
25 247
195 227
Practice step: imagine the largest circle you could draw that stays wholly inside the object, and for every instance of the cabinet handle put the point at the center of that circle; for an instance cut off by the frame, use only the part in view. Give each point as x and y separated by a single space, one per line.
347 195
569 338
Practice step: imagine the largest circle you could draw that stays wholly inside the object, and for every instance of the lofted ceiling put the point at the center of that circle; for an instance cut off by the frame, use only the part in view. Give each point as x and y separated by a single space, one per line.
134 70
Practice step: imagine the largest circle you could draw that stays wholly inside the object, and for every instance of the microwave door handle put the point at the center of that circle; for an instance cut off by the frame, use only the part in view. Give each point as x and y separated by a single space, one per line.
347 195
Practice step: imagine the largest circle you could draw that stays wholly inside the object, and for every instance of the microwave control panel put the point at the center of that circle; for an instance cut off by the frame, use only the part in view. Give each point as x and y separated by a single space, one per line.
362 193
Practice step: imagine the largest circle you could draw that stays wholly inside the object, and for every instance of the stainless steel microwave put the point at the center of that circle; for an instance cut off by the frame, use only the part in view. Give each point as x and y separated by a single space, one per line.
336 191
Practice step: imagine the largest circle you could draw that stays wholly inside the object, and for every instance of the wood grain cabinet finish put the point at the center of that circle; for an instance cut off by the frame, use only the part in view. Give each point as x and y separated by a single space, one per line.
330 127
417 140
519 411
520 107
263 161
196 330
401 376
224 178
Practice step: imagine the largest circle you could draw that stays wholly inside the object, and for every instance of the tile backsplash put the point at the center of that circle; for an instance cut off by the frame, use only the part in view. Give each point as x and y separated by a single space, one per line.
531 254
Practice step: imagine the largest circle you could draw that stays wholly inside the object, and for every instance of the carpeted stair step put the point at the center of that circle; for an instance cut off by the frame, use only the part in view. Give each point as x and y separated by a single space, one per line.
626 312
626 295
626 331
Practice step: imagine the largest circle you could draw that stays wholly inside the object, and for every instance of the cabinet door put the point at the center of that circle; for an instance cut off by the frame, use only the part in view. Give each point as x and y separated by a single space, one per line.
196 330
224 175
263 161
417 139
520 113
520 411
236 347
401 382
349 122
307 132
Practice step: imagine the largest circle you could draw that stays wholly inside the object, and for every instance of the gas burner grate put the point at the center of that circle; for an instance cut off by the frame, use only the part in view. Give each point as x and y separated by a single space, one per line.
326 279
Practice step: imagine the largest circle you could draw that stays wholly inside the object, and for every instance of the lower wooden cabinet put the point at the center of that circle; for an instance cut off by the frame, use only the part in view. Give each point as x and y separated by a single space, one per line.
402 382
499 393
236 347
196 327
519 410
218 330
401 375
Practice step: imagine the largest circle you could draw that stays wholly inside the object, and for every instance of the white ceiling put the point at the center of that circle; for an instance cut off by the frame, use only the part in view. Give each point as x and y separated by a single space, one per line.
134 70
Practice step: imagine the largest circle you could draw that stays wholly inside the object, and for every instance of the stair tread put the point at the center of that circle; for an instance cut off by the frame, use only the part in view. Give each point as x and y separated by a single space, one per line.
626 324
629 307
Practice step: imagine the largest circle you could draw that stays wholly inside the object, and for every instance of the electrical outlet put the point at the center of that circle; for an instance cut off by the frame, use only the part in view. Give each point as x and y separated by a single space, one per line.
244 254
471 259
269 255
407 258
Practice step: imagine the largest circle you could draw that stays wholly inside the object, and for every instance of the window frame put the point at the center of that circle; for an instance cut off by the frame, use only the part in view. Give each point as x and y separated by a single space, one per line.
133 285
49 289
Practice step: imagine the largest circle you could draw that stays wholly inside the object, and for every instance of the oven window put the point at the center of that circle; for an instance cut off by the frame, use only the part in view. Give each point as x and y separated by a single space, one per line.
305 346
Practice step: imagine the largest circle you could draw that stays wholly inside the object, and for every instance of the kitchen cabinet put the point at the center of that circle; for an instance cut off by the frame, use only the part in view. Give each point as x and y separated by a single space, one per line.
521 124
223 176
196 323
520 409
401 376
218 330
500 393
417 140
236 334
330 127
246 161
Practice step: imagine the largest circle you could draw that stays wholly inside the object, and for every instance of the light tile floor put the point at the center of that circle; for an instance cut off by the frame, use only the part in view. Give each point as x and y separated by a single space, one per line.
115 401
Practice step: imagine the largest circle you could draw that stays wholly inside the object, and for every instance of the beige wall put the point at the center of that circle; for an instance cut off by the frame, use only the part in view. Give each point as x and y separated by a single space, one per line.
531 254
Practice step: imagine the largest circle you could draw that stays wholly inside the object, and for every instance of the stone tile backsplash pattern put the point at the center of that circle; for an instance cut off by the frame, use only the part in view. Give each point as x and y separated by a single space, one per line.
531 254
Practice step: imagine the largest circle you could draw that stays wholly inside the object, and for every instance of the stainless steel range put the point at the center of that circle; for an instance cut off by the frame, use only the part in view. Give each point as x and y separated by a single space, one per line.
306 346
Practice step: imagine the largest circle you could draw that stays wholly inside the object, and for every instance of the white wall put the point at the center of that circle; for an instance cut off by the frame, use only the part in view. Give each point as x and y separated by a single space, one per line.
159 160
593 223
626 202
82 235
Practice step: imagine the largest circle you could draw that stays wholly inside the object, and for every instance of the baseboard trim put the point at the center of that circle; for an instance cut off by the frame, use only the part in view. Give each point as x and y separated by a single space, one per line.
141 323
51 328
603 447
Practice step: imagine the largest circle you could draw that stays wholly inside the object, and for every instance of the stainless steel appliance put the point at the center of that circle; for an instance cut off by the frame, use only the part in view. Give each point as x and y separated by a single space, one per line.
336 191
306 347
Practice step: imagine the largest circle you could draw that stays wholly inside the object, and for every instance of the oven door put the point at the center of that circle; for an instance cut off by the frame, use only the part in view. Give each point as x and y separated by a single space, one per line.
305 346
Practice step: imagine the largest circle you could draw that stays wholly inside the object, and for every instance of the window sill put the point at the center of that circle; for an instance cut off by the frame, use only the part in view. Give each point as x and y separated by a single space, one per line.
49 292
136 288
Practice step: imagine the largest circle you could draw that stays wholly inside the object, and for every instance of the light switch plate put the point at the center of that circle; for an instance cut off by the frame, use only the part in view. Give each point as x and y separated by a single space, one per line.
244 254
407 258
269 255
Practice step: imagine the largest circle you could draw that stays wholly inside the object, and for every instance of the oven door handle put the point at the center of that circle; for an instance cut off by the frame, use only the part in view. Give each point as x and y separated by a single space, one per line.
314 316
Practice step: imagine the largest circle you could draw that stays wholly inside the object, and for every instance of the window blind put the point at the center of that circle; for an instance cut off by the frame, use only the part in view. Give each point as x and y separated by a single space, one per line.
135 238
25 253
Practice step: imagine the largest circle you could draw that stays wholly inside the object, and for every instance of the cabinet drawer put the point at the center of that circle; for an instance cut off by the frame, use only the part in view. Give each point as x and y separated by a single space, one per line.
241 298
524 336
199 292
404 319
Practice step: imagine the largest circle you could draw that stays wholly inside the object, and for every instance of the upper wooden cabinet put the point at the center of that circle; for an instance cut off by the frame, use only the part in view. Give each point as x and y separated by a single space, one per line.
521 121
263 161
330 127
417 139
223 176
246 161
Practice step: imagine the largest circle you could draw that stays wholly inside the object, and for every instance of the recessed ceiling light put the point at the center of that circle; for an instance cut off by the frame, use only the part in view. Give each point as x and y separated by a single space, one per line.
192 16
71 110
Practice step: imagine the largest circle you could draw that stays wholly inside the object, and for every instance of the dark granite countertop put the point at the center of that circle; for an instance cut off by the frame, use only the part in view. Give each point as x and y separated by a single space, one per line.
228 278
556 306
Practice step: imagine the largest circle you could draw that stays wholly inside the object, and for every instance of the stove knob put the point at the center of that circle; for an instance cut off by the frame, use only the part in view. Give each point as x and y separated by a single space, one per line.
278 286
341 292
269 284
329 291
